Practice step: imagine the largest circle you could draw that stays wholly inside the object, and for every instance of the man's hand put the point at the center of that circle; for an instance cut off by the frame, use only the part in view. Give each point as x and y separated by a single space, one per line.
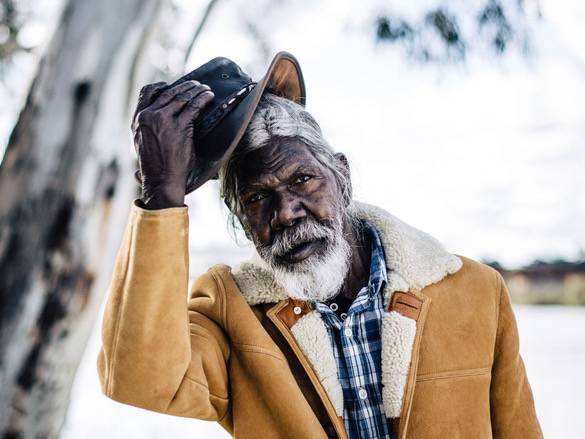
163 128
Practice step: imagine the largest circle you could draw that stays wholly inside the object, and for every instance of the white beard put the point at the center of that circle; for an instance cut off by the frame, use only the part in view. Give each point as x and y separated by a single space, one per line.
317 278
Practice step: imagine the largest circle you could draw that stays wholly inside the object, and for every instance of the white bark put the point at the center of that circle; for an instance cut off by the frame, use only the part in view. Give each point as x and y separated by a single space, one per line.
65 186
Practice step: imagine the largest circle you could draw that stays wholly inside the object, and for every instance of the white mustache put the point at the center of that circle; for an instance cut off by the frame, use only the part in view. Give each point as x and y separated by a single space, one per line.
316 278
289 238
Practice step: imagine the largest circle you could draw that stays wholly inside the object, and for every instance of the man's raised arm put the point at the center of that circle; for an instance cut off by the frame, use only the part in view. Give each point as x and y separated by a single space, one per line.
156 354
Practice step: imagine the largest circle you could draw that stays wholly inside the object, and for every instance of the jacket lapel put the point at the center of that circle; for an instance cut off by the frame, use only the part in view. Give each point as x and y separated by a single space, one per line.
414 260
402 331
307 336
397 336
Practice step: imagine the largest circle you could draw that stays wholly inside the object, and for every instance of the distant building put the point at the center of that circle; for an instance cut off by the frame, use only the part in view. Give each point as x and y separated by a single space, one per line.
556 282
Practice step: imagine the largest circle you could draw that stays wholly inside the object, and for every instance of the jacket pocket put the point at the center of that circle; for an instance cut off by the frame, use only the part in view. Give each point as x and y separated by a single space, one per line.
453 374
452 404
251 348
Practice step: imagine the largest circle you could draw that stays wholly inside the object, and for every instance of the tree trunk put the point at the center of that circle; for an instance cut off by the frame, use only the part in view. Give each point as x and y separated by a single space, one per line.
65 187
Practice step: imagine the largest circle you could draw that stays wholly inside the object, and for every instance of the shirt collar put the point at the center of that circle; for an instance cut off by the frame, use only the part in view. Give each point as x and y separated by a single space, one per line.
376 281
378 274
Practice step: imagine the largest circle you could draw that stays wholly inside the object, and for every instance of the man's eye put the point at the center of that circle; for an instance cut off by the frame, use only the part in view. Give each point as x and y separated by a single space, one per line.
254 198
302 179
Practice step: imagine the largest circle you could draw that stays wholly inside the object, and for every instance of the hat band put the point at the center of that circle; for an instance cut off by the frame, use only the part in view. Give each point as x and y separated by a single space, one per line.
205 125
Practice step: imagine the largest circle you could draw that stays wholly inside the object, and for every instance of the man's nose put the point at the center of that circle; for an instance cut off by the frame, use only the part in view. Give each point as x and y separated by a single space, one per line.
288 211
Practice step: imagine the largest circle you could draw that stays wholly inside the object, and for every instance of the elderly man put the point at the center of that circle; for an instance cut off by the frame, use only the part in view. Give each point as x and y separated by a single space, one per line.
347 323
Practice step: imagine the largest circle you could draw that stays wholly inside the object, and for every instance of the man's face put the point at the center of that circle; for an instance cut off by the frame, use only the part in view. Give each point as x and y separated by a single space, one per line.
280 186
293 211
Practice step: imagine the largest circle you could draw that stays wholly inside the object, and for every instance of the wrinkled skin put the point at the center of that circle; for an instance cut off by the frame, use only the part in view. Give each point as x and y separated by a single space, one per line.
163 128
279 186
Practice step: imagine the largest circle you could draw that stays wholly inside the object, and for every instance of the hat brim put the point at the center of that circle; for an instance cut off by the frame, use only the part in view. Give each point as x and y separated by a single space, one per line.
283 78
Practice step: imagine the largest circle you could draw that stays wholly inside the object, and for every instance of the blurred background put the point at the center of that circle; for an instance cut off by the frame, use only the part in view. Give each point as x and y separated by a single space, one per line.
464 118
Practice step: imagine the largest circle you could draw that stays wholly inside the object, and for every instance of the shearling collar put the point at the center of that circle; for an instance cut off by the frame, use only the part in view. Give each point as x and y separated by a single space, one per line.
414 260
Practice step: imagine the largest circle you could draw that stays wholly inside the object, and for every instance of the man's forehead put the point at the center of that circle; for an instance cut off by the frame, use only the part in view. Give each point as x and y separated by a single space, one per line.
274 159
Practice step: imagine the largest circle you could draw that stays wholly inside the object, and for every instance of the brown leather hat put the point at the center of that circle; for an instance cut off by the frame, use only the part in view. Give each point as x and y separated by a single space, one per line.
223 122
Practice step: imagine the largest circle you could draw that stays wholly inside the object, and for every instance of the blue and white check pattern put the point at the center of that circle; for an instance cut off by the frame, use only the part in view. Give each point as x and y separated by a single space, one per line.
357 347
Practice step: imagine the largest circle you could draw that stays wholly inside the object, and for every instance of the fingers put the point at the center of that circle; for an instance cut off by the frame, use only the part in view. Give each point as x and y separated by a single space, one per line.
170 93
194 106
147 95
181 100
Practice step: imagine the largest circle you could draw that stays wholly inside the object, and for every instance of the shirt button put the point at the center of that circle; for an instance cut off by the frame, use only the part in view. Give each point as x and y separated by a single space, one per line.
348 332
343 316
333 307
362 393
297 310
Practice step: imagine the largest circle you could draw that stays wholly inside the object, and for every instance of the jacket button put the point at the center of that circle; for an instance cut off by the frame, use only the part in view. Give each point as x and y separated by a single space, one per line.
297 310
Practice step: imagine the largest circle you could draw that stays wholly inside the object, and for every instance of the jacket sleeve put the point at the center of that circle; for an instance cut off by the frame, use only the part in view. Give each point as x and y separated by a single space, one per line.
512 406
157 353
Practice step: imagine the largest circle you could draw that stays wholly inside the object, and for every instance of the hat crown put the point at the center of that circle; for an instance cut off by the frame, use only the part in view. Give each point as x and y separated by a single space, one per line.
222 75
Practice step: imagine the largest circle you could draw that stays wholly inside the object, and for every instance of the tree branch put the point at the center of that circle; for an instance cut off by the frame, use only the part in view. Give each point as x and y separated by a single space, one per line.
202 24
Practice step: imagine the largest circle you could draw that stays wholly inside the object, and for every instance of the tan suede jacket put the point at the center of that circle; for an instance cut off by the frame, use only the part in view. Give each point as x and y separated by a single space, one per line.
238 351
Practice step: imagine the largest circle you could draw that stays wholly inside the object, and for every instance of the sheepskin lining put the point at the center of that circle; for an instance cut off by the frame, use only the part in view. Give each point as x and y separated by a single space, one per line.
398 334
313 339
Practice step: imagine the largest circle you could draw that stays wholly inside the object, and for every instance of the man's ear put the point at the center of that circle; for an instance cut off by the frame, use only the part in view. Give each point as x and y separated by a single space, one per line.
343 166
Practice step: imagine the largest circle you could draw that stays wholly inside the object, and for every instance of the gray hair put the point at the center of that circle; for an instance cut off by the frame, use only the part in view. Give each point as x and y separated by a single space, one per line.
277 118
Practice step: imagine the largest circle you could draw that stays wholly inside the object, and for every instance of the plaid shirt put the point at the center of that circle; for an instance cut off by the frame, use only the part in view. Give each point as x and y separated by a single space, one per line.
357 348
